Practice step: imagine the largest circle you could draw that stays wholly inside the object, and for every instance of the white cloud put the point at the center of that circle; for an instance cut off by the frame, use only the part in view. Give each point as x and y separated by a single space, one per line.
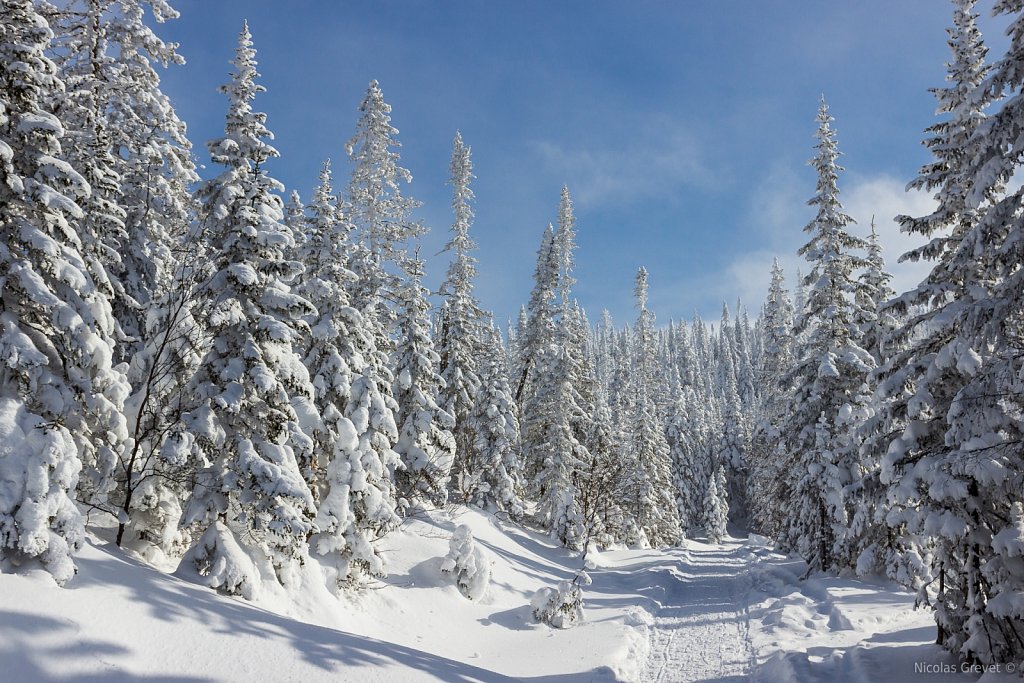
655 159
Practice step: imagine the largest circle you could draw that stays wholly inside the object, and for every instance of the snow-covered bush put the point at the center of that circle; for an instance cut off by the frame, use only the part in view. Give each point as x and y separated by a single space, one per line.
469 563
219 561
561 607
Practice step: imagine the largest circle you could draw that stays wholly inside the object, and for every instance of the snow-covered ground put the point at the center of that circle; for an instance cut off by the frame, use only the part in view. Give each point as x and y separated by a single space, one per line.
727 612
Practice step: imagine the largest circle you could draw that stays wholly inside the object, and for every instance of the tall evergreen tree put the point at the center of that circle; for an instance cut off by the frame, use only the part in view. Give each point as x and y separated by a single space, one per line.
925 379
132 143
957 468
353 462
425 442
494 422
650 482
830 373
381 213
553 408
878 322
461 320
252 494
61 399
767 484
91 77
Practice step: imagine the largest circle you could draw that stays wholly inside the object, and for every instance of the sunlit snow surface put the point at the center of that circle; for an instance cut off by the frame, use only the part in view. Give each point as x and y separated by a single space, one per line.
729 612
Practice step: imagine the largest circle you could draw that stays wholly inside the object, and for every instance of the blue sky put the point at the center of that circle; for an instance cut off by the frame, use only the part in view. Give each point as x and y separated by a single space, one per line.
681 128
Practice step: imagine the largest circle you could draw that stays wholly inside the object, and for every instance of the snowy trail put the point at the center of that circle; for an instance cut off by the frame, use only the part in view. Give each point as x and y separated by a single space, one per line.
700 630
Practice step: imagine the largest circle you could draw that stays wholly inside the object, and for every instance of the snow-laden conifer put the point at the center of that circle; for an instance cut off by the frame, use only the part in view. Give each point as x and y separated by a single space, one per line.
251 493
537 330
461 322
767 477
650 481
468 562
353 462
925 382
379 210
425 442
61 400
956 468
90 77
494 421
829 375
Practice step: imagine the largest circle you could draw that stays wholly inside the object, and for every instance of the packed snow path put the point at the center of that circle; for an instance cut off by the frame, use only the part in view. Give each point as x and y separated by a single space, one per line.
700 630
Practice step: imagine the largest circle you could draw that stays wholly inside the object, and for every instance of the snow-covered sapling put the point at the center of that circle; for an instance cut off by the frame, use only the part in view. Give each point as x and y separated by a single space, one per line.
561 607
469 563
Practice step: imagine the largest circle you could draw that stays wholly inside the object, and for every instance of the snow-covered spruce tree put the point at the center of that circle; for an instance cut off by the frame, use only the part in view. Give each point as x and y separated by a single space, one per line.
321 241
61 399
685 434
829 375
425 442
778 332
561 607
379 210
538 329
878 322
650 481
250 499
731 442
494 422
535 338
933 497
869 541
766 494
90 78
154 159
461 320
716 506
551 405
468 562
619 398
961 469
743 351
131 140
601 479
87 70
550 441
131 146
354 462
565 248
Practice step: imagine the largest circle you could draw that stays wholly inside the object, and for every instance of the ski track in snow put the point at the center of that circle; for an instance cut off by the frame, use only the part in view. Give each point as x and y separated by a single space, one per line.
701 630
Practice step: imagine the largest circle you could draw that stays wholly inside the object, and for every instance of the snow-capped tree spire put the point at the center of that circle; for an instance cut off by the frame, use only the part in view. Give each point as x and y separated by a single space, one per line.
565 239
461 320
877 322
830 373
381 213
650 481
252 496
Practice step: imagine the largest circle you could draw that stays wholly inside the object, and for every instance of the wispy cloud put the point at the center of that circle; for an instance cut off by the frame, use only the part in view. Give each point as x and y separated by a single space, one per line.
657 158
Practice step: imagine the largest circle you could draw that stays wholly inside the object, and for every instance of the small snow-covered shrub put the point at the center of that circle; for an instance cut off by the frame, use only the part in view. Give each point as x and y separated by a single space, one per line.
561 607
469 563
220 562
